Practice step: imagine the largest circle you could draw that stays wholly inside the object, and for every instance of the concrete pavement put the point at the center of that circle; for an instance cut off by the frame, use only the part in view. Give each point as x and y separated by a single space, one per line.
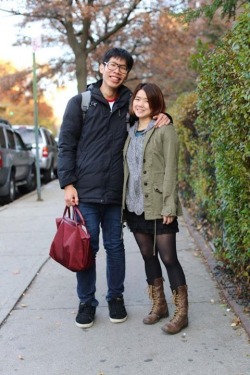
38 304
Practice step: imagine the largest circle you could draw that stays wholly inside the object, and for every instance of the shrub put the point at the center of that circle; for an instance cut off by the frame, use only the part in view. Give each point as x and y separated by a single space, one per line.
224 107
213 128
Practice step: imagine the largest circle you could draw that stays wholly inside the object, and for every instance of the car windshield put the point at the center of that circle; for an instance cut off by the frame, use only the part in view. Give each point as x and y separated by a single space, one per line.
28 135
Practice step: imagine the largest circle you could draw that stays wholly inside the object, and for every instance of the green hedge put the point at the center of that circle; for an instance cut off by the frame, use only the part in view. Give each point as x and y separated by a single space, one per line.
215 149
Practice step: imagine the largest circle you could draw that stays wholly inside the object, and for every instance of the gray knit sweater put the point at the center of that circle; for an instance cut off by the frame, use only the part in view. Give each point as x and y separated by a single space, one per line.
134 194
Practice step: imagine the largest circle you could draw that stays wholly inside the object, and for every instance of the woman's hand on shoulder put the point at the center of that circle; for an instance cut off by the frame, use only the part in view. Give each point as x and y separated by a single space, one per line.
161 120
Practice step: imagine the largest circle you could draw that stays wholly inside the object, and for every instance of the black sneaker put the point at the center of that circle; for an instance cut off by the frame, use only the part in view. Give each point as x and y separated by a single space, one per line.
117 311
86 315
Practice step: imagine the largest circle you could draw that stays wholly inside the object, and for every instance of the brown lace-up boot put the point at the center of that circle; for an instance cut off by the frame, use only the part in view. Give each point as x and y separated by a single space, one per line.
160 307
180 318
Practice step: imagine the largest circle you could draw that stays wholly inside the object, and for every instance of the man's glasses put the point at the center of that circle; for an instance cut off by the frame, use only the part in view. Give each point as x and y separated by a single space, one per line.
112 66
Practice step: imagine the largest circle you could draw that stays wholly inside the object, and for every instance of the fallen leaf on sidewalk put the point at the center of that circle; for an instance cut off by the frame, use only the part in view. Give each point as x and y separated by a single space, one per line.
236 322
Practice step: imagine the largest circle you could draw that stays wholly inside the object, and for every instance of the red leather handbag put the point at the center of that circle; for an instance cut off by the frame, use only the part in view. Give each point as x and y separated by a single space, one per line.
71 244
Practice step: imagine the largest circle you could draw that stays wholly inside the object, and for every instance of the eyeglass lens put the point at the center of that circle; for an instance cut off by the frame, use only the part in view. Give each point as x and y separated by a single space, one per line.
113 66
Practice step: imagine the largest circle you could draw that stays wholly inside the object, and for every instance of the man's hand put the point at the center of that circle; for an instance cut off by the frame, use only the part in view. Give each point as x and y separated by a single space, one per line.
168 219
71 196
161 120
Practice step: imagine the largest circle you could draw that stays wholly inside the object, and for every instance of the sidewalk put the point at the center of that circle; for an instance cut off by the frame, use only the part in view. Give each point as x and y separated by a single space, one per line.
38 304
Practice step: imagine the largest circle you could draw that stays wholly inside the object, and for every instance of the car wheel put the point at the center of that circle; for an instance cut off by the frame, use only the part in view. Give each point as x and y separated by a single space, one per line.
10 197
55 173
31 181
48 174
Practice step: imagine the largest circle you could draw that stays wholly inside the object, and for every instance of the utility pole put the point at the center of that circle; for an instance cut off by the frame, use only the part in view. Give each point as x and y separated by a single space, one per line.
35 45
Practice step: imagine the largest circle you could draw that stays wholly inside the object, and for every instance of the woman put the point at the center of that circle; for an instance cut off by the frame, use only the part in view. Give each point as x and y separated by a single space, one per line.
151 204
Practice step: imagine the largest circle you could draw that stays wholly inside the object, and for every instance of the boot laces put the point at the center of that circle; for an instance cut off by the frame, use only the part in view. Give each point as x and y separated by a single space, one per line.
175 301
153 297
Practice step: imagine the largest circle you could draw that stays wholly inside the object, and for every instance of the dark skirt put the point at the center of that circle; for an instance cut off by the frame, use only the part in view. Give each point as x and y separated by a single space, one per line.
137 223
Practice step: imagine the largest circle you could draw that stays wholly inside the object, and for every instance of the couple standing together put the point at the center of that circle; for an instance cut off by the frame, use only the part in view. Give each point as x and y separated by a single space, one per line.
118 170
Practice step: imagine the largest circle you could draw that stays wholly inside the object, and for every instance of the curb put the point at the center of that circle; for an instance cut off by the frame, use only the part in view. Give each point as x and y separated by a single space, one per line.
211 262
12 306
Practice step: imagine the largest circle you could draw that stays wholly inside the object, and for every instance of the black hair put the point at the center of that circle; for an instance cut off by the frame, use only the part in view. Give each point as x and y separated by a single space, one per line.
122 54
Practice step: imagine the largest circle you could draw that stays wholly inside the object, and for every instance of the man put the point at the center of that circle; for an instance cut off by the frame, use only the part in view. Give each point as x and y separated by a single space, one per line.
90 170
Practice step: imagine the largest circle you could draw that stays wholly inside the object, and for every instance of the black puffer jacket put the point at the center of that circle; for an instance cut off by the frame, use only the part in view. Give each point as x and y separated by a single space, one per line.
90 153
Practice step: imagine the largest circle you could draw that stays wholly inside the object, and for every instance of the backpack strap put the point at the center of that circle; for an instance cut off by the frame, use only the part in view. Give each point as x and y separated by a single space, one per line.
86 96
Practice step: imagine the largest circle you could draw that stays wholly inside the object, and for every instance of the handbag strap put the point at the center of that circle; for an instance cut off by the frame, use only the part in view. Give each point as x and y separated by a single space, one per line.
76 212
66 211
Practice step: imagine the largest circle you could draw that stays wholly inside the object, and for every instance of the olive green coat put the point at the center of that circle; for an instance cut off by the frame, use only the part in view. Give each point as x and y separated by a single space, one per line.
160 173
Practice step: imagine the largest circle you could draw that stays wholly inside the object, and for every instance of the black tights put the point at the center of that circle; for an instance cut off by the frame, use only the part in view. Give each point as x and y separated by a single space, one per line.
166 248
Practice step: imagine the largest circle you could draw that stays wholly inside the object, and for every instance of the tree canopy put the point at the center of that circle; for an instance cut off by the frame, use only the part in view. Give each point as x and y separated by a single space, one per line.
227 9
160 42
16 100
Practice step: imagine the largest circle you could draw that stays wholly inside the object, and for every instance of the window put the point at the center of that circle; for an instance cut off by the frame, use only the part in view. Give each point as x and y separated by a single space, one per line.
29 135
19 142
47 136
11 140
2 139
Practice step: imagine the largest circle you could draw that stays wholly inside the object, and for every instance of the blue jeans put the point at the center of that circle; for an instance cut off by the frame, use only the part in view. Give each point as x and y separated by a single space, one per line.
108 217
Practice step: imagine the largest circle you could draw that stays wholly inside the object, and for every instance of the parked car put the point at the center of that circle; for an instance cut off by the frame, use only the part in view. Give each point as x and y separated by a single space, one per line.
17 164
48 151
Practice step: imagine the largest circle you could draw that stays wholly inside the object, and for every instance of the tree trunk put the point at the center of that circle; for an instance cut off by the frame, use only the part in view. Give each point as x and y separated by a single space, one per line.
81 71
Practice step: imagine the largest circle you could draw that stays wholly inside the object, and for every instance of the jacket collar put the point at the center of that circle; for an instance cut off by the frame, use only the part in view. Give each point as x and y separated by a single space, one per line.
123 92
132 129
